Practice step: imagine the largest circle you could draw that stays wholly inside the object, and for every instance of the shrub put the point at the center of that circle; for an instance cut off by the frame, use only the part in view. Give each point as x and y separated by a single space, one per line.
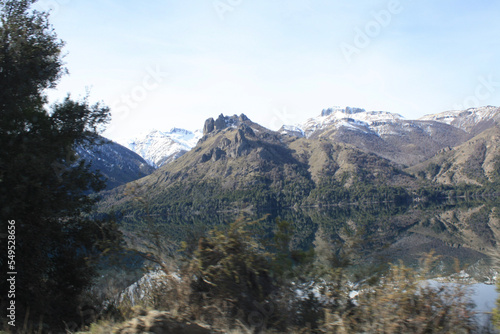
230 283
403 303
231 274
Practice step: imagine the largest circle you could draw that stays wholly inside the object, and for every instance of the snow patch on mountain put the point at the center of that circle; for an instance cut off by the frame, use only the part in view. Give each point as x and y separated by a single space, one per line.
296 130
356 119
160 147
465 119
383 123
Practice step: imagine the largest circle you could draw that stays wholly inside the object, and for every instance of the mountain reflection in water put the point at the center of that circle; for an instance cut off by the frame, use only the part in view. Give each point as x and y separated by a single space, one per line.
462 235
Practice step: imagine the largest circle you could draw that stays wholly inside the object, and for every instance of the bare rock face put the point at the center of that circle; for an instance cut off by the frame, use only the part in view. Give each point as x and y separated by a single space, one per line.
159 323
209 126
220 123
237 147
223 122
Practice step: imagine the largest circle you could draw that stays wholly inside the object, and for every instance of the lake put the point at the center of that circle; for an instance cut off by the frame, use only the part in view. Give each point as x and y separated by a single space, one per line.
462 235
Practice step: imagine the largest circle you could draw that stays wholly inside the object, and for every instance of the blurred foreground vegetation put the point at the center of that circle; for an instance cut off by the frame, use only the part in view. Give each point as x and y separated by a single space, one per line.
229 282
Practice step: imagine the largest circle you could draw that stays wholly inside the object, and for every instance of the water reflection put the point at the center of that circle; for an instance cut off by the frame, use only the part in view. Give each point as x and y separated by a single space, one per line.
365 238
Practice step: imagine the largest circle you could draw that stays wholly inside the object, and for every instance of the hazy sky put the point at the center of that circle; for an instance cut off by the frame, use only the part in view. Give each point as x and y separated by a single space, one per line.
160 64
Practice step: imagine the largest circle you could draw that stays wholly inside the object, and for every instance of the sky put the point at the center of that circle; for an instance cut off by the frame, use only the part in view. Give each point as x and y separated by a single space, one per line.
164 64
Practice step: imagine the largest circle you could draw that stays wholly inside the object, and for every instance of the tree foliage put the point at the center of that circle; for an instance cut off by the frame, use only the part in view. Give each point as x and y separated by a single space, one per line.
43 186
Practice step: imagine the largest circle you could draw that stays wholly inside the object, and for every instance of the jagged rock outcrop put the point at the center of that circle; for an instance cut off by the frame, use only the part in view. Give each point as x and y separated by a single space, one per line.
222 122
209 126
234 148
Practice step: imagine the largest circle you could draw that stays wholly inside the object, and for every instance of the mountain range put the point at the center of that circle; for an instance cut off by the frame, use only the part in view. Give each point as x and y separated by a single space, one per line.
139 157
342 156
406 142
448 148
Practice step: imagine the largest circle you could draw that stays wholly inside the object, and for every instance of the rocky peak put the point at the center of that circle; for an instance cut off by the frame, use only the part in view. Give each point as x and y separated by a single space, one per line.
209 126
222 122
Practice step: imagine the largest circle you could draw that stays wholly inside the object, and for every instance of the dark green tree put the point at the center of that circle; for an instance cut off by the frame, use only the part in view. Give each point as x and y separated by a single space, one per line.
43 187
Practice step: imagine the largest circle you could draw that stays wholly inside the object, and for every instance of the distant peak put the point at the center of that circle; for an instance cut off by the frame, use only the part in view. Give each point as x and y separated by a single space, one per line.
179 130
347 110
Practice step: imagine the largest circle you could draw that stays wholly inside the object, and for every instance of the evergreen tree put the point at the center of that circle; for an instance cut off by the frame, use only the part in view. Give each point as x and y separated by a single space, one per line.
43 187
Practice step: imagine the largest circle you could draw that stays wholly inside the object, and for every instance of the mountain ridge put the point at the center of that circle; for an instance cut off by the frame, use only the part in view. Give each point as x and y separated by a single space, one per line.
462 119
406 142
390 135
476 161
472 120
238 162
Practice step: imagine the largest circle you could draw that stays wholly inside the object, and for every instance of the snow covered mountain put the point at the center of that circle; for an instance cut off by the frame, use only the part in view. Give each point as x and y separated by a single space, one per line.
386 134
472 120
391 136
355 119
159 148
351 118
